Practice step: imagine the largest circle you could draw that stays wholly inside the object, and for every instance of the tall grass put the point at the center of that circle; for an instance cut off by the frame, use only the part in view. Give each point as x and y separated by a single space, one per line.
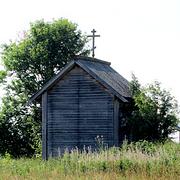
141 160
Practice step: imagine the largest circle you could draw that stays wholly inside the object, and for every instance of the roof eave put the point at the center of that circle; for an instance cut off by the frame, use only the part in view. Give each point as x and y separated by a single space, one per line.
102 82
64 71
51 82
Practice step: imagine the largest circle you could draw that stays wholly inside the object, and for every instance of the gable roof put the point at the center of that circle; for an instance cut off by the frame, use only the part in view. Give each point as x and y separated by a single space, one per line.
99 70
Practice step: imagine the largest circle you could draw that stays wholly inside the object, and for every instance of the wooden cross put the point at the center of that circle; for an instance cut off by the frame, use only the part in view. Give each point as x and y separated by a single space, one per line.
93 41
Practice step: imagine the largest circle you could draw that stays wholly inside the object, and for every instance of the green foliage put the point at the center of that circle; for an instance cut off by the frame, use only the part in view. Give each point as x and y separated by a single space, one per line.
19 130
154 113
3 75
42 52
29 63
129 162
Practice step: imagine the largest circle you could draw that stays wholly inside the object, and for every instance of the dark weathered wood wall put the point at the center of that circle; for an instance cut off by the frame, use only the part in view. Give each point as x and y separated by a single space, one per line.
79 109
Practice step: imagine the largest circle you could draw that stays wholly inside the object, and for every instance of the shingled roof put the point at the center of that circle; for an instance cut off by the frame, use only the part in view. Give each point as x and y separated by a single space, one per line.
99 70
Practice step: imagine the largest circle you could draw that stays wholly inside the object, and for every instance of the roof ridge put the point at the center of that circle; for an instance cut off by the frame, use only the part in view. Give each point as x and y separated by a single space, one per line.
91 59
99 70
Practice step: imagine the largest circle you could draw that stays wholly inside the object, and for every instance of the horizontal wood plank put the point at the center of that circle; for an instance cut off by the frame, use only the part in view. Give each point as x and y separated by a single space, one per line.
79 110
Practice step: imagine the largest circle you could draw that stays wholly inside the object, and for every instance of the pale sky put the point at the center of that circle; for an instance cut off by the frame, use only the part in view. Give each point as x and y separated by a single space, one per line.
139 36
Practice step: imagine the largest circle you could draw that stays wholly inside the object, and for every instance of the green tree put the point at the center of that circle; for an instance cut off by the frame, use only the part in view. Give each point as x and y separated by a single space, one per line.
29 63
153 114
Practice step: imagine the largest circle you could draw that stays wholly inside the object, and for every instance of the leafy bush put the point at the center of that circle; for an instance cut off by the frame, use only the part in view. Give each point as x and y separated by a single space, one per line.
153 113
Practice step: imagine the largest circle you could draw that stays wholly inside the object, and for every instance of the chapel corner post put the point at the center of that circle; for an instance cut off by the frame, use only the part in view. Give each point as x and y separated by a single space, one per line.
44 126
116 133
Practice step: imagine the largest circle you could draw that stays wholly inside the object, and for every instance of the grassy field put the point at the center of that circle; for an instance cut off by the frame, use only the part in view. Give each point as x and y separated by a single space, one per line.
135 161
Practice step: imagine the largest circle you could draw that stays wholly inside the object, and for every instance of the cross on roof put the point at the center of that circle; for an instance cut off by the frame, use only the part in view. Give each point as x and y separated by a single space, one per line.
93 41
